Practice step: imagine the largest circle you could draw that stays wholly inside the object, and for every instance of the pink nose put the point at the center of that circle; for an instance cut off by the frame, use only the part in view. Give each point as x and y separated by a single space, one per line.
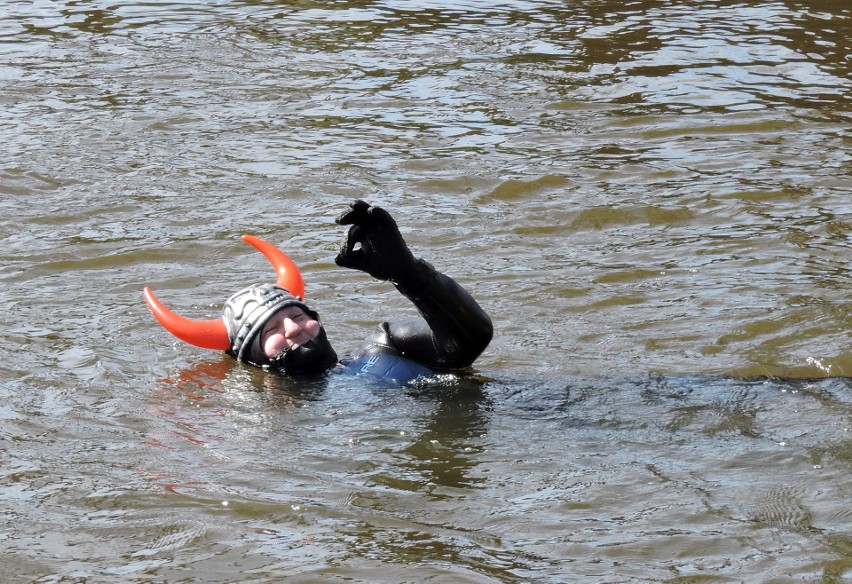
291 328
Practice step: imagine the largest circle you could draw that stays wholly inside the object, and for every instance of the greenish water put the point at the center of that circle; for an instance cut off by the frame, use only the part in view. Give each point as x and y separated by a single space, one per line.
651 201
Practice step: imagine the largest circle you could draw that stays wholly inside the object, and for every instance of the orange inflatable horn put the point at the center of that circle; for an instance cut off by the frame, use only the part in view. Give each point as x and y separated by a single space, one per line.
208 334
289 276
213 334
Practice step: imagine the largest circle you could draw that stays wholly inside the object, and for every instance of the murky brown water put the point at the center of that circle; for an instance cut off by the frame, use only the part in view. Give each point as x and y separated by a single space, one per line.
652 202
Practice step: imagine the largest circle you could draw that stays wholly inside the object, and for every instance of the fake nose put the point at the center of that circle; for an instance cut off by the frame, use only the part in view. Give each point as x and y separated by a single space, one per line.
292 329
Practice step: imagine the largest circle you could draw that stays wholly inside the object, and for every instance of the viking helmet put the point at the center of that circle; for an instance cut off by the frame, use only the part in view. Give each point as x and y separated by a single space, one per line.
238 330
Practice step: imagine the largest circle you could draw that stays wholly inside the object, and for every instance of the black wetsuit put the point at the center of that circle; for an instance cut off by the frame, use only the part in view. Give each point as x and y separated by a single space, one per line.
453 329
453 332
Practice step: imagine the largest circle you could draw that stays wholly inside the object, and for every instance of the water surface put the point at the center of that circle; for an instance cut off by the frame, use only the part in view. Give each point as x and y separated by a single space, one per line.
651 201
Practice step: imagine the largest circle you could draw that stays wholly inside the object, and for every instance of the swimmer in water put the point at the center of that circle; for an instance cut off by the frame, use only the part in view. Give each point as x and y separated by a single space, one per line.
269 325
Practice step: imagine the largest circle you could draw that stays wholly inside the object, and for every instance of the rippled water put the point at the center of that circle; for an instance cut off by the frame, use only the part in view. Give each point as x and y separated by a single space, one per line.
652 202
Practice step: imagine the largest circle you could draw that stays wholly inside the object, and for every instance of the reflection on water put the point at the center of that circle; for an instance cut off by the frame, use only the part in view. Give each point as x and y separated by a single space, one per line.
651 201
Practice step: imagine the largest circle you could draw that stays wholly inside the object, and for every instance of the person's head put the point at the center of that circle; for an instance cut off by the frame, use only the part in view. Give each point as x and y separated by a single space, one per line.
269 327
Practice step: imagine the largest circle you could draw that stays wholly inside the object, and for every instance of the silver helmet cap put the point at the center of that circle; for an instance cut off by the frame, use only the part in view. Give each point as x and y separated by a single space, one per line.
245 314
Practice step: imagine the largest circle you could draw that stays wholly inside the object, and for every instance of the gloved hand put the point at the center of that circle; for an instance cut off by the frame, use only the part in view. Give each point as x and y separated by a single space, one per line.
381 250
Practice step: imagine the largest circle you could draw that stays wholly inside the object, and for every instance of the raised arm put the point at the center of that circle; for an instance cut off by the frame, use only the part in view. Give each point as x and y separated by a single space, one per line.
454 329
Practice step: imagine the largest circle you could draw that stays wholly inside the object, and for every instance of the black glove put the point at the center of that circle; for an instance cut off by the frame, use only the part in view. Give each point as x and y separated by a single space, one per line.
382 251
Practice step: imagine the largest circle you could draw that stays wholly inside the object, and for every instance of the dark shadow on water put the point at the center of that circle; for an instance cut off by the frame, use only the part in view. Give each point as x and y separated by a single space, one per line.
460 407
540 398
709 404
